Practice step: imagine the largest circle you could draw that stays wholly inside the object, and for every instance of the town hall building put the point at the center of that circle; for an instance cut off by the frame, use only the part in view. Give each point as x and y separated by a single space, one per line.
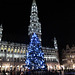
13 55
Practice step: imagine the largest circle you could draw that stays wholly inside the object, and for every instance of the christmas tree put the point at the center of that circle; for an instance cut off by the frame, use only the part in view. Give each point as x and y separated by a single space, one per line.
35 56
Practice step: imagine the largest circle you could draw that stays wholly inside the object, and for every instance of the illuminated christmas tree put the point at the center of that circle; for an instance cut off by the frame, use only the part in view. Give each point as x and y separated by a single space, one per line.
35 56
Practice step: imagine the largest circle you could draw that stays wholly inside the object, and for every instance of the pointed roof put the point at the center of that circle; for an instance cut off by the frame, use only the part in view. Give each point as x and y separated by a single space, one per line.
1 25
54 38
34 7
67 47
1 28
34 1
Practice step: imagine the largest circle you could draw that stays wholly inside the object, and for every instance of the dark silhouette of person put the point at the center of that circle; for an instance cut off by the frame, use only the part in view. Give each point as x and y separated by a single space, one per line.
4 72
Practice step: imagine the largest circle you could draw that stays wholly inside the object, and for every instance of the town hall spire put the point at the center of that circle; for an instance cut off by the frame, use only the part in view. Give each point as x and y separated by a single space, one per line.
35 25
34 1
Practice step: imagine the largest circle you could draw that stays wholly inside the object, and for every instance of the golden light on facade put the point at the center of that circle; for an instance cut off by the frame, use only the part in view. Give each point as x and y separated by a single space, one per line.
18 50
1 48
21 51
5 48
73 66
11 49
15 50
8 49
24 51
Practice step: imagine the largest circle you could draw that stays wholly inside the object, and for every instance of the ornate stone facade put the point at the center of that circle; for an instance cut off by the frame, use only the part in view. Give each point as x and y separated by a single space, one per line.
68 57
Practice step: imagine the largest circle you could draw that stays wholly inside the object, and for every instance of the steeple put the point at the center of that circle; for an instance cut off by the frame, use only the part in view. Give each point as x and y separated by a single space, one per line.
55 44
34 1
67 47
34 7
35 25
1 29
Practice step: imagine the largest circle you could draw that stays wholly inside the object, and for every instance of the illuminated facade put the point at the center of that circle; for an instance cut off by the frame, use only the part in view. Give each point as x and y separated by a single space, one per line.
12 55
51 57
68 57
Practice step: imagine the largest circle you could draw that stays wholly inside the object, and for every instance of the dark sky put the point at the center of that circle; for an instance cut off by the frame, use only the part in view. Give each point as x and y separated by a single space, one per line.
57 19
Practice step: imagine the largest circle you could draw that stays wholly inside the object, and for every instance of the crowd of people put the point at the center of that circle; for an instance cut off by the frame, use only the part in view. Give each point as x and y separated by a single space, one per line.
31 72
69 72
38 72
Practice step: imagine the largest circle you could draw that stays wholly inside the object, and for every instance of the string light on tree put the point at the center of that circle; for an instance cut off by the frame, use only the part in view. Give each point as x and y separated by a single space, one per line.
35 56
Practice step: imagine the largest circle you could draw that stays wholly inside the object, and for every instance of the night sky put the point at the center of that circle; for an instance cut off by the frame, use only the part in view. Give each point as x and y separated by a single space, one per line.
57 20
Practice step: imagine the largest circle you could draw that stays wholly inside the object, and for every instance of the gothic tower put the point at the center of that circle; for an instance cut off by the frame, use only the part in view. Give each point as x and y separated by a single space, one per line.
55 44
1 29
35 25
56 48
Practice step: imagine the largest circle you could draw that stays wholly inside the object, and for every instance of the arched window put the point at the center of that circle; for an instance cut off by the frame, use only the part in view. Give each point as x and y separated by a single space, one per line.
15 50
18 51
9 49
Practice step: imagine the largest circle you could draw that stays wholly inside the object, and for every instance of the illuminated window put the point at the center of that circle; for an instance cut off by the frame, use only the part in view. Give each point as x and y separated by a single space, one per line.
9 55
11 49
8 49
24 51
73 56
0 39
21 51
5 48
15 50
1 48
18 51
